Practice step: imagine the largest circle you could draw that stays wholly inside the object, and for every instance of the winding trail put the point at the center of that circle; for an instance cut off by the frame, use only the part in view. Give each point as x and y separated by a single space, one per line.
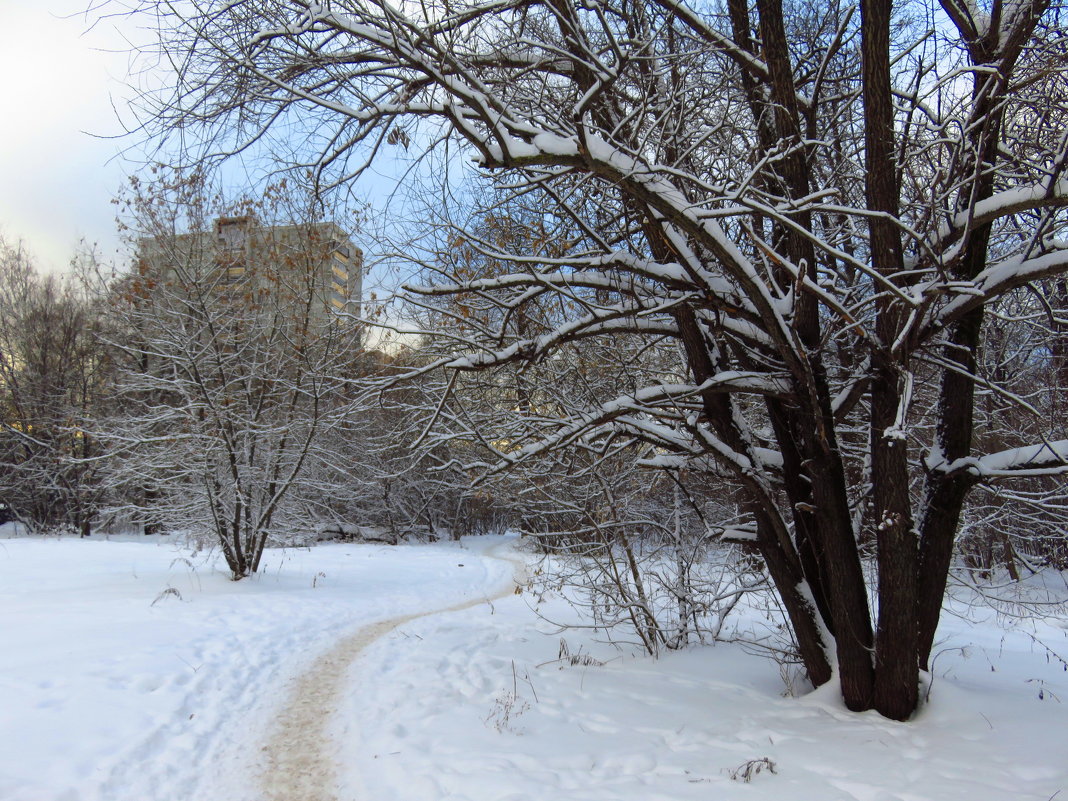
299 760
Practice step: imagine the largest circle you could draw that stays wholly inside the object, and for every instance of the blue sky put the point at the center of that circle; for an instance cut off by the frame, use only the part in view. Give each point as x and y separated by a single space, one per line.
63 103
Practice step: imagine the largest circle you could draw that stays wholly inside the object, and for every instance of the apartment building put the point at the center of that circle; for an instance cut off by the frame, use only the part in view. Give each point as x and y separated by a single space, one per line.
251 263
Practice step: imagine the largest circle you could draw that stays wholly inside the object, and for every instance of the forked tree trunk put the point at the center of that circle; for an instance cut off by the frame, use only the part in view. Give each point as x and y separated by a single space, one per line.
944 495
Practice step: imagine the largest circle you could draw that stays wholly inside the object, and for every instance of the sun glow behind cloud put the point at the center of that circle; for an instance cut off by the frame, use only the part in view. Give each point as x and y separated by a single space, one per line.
58 83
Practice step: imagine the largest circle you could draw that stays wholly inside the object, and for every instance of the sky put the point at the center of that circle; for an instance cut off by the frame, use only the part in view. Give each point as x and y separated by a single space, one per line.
61 82
65 76
65 88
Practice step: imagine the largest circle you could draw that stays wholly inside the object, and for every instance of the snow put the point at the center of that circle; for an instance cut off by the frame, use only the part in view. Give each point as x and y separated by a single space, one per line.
1044 458
110 689
1033 456
451 722
1004 203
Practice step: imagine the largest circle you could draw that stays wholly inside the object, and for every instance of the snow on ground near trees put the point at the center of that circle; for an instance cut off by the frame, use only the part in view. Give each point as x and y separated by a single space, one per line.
482 709
107 695
112 688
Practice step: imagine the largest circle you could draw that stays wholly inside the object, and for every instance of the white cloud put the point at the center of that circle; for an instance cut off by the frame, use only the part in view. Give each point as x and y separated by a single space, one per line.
55 100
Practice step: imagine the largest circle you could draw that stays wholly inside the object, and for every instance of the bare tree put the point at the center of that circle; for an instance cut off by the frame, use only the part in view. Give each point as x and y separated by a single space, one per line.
818 232
235 366
390 482
53 376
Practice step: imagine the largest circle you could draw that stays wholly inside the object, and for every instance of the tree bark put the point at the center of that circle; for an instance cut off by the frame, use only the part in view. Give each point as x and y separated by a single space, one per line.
896 689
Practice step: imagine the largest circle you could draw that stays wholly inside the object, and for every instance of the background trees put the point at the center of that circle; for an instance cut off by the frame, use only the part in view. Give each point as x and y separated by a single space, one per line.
234 367
820 238
391 482
53 379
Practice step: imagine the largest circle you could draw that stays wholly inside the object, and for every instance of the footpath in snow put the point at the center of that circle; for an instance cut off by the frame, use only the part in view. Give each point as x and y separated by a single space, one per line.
477 707
131 671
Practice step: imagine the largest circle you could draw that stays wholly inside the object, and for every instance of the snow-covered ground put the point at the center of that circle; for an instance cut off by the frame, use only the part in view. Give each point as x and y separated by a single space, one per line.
132 671
115 688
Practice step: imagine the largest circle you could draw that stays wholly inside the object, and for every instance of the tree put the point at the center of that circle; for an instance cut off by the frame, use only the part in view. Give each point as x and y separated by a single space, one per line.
235 365
390 483
820 234
53 378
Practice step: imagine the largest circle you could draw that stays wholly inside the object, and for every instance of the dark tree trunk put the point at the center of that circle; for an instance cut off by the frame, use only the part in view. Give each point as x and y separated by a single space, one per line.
945 493
828 533
772 540
896 665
